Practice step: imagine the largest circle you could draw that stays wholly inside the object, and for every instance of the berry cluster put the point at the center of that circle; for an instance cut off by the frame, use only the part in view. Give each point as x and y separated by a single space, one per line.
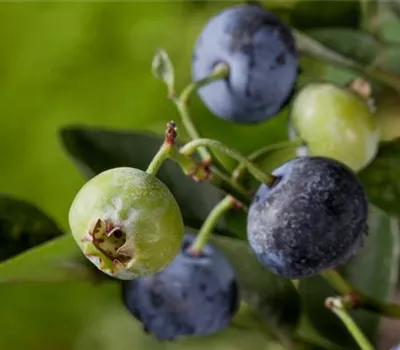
308 215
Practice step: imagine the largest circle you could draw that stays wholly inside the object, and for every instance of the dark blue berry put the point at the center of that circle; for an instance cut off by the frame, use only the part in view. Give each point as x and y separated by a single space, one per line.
262 58
194 295
313 218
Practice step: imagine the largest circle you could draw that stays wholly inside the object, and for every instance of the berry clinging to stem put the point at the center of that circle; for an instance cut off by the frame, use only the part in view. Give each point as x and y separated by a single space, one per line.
126 222
313 218
335 122
262 59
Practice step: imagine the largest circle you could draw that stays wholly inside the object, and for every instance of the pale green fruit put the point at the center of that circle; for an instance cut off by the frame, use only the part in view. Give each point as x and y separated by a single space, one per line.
334 122
388 115
127 223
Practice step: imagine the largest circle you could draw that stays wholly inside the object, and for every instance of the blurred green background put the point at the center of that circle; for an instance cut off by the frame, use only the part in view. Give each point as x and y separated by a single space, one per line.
89 63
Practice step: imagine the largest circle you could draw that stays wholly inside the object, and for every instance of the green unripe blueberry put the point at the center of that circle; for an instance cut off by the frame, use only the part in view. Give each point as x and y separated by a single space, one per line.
127 223
334 122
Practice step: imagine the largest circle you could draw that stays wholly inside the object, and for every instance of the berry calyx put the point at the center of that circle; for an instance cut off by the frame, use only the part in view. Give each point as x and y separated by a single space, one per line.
126 222
194 295
314 218
334 122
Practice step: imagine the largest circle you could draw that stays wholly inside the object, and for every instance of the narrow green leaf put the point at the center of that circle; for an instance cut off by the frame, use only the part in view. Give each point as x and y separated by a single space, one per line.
23 226
381 178
95 150
311 47
163 69
328 13
373 270
351 43
58 260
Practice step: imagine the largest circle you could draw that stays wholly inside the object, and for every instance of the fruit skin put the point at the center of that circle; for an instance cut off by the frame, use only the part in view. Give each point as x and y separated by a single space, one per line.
313 218
194 295
262 58
334 122
147 222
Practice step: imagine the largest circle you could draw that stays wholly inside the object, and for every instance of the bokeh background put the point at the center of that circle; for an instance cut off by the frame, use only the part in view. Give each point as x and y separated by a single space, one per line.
64 63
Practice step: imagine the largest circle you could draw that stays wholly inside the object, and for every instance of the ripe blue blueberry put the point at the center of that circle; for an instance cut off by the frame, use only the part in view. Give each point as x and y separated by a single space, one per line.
194 295
313 218
262 58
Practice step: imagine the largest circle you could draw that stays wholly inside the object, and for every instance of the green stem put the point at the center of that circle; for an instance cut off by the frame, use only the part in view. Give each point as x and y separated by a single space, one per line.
337 282
212 219
190 128
189 166
262 152
162 154
200 172
261 176
358 299
220 71
387 309
336 306
235 189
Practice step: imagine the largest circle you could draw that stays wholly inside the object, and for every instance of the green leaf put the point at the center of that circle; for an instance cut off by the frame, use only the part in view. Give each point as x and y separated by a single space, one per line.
381 178
275 298
125 333
87 316
23 226
351 43
58 260
163 69
95 150
327 13
373 270
312 48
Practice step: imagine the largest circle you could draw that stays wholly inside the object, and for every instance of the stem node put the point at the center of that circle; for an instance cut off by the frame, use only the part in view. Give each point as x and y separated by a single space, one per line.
170 133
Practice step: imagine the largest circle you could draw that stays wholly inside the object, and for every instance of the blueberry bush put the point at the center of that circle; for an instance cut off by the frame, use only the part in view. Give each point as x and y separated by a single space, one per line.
261 210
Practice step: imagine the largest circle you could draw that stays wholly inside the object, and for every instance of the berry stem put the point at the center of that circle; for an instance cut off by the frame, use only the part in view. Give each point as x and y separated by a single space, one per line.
262 152
225 183
209 224
220 71
165 150
198 171
337 307
357 299
162 154
260 175
337 282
